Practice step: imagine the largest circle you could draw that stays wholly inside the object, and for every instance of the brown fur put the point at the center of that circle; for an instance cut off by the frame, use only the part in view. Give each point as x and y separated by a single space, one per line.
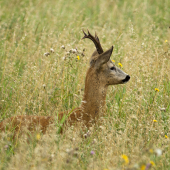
99 76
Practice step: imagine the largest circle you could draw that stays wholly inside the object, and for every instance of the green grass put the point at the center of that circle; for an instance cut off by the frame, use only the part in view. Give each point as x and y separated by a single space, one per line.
34 84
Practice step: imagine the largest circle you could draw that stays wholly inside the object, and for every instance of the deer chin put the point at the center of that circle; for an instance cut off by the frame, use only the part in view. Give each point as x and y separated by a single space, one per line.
126 79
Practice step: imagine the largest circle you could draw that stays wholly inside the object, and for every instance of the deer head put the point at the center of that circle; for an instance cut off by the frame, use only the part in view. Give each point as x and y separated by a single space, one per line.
101 65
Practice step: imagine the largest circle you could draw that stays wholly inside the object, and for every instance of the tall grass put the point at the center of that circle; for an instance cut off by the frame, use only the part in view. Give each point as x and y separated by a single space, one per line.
135 127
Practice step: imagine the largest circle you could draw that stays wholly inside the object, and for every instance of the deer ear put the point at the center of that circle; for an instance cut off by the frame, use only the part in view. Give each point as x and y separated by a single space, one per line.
103 58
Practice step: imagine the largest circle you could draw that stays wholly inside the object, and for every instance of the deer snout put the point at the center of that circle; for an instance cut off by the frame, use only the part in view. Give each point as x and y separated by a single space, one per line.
126 79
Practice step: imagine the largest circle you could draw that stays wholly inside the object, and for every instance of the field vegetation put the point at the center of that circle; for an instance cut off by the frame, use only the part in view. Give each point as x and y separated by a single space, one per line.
40 74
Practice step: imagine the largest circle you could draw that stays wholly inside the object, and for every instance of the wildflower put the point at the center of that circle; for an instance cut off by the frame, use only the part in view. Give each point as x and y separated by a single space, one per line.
47 54
158 152
38 136
152 163
113 61
143 167
120 64
78 58
126 159
148 165
151 150
6 146
92 152
156 89
166 136
166 41
154 120
51 50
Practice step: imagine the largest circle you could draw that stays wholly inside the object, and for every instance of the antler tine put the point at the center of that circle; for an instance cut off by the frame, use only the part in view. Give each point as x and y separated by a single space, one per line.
97 37
95 41
85 35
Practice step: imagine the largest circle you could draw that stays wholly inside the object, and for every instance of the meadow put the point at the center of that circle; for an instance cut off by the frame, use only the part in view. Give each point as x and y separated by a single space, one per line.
40 75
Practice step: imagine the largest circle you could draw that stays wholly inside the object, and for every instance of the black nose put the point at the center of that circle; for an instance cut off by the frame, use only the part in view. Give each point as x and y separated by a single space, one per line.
126 79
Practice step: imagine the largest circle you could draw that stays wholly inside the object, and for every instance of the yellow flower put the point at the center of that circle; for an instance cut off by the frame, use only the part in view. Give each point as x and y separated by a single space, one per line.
156 89
38 136
152 163
143 167
166 41
126 159
120 64
113 61
78 58
151 150
166 136
154 120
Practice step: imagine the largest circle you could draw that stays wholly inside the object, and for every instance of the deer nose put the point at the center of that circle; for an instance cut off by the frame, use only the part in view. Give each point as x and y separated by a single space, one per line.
126 79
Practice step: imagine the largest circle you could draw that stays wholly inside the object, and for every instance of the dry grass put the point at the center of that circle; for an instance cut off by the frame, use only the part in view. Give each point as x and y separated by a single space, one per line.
137 117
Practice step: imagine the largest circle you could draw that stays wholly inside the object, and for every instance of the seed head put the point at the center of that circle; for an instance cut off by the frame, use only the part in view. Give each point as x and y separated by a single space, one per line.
51 50
162 109
63 47
44 86
46 54
158 152
64 57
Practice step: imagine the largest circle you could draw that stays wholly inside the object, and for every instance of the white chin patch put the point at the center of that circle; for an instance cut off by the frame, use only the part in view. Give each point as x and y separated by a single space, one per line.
125 82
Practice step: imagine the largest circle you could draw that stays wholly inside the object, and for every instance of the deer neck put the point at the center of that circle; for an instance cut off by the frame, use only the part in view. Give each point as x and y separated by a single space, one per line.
94 95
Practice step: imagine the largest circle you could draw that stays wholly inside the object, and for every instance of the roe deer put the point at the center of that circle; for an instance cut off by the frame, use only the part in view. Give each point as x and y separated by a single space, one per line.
101 73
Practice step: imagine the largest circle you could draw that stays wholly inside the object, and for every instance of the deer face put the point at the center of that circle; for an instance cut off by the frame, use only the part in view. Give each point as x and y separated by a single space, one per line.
106 70
114 75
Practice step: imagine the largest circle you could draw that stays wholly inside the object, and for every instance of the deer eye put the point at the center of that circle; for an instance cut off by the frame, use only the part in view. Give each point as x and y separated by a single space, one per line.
112 68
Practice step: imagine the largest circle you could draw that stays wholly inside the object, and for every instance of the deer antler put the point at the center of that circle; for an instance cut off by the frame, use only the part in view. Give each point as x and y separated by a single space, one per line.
95 41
